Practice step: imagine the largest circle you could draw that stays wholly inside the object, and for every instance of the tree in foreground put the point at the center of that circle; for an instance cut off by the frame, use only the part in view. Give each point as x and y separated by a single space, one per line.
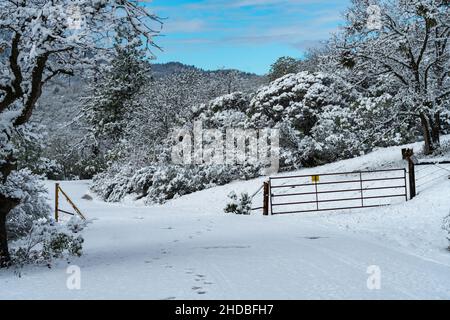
404 43
40 40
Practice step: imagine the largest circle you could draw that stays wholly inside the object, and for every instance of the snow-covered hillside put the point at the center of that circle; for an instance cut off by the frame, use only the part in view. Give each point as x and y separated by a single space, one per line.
189 249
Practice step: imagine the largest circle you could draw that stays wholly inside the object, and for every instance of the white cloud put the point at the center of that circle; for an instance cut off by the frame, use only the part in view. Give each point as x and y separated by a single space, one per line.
180 25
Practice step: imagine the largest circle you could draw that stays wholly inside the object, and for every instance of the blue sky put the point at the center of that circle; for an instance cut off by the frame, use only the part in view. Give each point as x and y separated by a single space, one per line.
242 34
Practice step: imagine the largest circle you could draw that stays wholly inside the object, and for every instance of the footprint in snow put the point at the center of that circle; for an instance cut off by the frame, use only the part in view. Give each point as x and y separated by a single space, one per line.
189 271
315 238
199 278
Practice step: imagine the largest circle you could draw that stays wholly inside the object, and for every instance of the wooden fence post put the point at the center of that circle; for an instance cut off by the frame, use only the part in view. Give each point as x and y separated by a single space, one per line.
408 154
266 199
56 202
412 179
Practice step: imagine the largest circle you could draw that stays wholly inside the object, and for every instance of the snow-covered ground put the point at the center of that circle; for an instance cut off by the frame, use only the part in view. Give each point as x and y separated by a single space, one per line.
189 249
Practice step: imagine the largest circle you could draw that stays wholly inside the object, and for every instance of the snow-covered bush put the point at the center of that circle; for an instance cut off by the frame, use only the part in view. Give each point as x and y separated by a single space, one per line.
114 184
33 204
29 143
47 241
158 184
300 98
228 111
312 111
174 181
323 118
239 206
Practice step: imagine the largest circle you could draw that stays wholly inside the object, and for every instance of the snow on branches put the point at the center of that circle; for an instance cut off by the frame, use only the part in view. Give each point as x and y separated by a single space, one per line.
40 40
409 48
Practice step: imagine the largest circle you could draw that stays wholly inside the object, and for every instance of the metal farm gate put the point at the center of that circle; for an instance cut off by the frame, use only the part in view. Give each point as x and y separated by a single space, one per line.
336 191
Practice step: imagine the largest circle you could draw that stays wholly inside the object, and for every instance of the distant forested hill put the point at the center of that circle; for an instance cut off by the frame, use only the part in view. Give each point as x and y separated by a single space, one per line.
60 103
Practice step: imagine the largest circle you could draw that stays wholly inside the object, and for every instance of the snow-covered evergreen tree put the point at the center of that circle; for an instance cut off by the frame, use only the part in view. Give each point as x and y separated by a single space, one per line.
114 96
282 67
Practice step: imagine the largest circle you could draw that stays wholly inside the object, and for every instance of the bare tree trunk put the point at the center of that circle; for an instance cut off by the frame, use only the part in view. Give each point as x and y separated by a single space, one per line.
7 204
4 252
436 130
429 146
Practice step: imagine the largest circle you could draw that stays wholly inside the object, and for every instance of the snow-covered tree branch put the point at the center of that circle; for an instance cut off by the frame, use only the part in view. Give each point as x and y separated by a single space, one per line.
410 46
41 39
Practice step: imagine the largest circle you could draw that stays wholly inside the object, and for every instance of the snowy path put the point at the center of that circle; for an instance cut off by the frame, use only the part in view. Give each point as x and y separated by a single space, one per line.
189 249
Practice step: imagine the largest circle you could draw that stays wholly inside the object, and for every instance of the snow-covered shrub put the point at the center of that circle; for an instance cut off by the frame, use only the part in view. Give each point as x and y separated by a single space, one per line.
173 181
116 183
311 110
33 204
228 111
299 98
322 118
157 184
112 185
29 149
47 241
239 206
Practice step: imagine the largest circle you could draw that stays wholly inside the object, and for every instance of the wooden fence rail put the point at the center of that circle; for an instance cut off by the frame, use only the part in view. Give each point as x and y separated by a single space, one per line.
59 190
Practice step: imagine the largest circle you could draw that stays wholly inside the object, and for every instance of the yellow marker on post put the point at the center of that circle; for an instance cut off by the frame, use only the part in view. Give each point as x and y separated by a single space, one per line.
315 179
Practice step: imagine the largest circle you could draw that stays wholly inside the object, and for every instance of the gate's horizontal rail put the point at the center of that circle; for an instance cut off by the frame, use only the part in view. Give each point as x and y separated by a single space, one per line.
335 182
338 200
330 209
335 191
421 163
336 174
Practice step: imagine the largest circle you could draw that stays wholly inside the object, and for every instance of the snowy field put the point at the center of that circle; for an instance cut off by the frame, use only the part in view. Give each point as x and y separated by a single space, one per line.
189 249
